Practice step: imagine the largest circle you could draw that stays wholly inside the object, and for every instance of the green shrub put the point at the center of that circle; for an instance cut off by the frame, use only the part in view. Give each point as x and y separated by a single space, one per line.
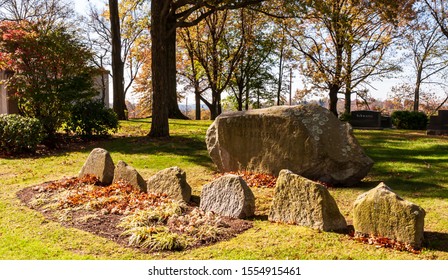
20 134
409 120
91 117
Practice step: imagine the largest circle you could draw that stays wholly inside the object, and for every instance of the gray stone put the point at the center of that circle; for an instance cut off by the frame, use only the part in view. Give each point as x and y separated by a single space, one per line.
300 201
380 212
126 173
308 140
172 181
228 196
99 164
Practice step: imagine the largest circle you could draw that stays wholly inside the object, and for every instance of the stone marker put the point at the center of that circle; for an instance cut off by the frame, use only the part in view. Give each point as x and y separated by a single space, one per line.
438 125
380 212
303 202
130 175
99 164
228 196
172 181
308 140
366 119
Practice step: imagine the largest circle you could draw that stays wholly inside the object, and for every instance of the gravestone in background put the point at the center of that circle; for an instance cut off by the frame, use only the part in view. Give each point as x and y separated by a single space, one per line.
366 119
438 125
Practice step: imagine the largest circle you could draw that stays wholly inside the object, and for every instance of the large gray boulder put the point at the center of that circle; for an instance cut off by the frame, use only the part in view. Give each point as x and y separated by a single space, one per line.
300 201
126 173
228 196
172 181
308 140
99 164
381 212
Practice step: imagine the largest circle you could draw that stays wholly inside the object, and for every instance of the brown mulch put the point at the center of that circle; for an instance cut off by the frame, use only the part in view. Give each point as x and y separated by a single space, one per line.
105 223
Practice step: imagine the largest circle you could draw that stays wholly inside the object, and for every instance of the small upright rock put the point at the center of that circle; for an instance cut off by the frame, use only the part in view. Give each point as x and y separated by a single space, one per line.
99 164
172 181
303 202
130 175
381 212
228 196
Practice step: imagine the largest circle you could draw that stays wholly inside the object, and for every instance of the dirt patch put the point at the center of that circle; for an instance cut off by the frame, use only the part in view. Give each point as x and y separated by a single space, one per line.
58 201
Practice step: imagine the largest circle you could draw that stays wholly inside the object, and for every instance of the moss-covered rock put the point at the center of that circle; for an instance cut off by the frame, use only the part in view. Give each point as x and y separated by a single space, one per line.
300 201
381 212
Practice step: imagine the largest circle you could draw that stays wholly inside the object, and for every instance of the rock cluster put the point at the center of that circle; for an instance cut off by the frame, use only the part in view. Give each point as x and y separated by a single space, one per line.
171 181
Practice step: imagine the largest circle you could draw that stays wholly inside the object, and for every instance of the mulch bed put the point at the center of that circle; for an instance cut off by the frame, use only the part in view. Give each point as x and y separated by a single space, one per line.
105 223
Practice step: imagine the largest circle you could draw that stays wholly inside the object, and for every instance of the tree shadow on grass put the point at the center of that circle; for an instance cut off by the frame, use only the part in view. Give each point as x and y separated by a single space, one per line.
406 187
437 241
192 149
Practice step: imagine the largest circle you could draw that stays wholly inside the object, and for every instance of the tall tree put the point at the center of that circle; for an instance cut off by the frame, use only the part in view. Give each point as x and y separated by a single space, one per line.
117 62
329 39
121 47
439 11
191 69
48 13
426 46
256 56
166 17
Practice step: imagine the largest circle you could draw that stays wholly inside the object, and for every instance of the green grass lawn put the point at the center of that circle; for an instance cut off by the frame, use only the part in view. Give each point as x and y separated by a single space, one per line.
411 163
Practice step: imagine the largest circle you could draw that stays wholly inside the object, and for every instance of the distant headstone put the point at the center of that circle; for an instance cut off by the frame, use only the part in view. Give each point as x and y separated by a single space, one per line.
228 196
386 122
308 140
99 164
366 119
124 172
172 181
300 201
381 213
438 125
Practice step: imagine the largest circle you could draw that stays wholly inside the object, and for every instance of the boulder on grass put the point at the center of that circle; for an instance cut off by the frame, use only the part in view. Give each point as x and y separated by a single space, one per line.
308 140
300 201
126 173
172 181
228 196
382 213
99 164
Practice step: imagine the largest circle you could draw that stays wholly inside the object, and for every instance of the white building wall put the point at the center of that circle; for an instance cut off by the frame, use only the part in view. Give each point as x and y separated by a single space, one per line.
3 95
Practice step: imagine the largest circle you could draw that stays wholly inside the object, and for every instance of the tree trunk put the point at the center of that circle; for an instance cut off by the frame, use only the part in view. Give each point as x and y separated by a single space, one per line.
348 98
348 81
417 90
117 64
247 97
161 82
334 89
280 76
197 96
